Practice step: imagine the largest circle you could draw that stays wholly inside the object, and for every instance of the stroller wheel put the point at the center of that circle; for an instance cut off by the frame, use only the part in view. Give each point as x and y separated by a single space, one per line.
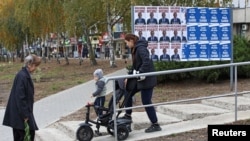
84 133
122 132
110 131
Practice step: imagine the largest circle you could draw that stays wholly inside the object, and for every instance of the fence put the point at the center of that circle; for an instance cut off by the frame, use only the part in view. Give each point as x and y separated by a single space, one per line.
235 93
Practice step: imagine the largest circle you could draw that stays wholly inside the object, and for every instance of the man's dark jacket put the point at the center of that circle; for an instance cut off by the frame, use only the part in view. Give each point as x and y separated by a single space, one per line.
20 103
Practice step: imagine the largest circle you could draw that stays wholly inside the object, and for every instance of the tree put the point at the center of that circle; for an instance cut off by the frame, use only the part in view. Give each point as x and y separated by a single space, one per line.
115 11
81 15
42 18
11 32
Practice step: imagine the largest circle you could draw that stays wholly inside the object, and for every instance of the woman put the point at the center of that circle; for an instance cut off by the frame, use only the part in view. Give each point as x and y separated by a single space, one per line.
141 63
20 104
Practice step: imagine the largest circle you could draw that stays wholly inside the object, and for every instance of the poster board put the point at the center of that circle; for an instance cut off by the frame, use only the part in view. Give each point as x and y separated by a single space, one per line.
198 33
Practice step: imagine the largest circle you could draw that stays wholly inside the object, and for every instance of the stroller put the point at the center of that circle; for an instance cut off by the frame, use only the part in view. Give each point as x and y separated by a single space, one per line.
86 133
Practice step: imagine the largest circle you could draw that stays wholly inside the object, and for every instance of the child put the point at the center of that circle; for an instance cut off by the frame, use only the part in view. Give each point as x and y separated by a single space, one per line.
100 91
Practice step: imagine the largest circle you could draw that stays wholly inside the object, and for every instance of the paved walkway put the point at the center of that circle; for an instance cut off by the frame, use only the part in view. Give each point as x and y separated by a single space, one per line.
50 109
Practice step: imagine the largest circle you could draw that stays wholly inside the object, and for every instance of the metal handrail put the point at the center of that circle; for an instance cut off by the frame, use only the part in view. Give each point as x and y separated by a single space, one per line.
178 101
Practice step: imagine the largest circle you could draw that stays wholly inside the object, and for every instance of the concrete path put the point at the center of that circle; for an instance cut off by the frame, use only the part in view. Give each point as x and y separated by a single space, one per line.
174 118
50 109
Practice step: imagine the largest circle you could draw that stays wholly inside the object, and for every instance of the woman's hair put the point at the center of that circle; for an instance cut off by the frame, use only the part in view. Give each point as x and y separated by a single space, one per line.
132 37
32 59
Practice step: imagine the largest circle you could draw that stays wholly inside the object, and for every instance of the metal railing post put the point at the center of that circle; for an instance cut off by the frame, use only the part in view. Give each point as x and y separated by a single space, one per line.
114 112
235 92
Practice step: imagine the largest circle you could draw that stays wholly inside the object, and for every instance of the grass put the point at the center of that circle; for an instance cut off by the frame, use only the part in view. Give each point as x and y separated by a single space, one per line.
52 77
57 77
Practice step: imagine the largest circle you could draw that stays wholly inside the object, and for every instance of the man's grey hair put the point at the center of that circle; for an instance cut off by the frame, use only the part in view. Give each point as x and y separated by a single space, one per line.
28 60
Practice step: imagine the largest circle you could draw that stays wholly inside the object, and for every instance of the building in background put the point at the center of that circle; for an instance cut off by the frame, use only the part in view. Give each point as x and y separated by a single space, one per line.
241 16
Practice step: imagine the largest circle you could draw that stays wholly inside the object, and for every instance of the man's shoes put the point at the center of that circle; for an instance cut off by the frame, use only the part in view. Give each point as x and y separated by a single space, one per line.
153 128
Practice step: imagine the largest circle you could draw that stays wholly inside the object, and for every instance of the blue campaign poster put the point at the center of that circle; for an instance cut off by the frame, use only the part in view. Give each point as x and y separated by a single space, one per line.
225 30
225 50
203 51
193 52
224 15
192 15
214 51
204 15
193 32
204 32
214 32
185 52
214 15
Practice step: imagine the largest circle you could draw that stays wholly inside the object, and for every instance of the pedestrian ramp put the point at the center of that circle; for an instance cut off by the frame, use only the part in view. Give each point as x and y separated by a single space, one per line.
173 118
228 103
190 111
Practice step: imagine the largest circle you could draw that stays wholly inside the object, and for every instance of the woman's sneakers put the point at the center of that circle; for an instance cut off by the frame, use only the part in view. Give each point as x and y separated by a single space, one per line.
126 116
153 128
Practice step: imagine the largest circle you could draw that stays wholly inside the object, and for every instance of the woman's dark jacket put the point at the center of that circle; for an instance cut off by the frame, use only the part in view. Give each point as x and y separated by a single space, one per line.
20 103
143 64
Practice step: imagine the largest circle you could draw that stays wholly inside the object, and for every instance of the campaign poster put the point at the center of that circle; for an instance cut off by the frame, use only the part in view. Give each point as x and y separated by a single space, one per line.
153 49
214 51
193 32
152 15
152 33
193 51
175 15
225 30
139 16
175 52
161 52
164 35
214 32
183 15
204 32
214 15
203 51
184 34
164 15
175 34
224 15
204 15
142 34
192 15
185 52
225 50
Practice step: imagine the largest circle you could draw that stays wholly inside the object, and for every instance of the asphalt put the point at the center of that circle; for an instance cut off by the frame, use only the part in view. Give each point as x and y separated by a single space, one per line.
174 118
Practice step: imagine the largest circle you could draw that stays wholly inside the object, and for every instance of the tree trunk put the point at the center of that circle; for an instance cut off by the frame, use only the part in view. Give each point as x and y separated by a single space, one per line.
91 53
112 50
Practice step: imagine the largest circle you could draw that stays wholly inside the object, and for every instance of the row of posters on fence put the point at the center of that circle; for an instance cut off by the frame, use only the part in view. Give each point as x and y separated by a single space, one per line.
198 33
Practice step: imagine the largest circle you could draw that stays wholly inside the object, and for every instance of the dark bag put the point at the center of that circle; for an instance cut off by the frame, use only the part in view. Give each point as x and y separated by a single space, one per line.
131 84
